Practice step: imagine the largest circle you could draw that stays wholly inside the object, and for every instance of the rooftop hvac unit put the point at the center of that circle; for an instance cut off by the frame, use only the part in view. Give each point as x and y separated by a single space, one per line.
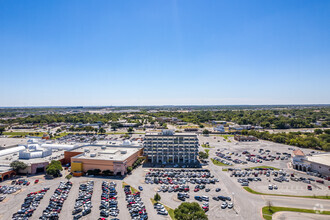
111 157
123 151
93 155
103 147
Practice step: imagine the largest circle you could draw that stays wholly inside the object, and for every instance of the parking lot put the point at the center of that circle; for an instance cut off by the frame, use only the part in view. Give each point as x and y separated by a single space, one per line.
264 153
13 202
218 192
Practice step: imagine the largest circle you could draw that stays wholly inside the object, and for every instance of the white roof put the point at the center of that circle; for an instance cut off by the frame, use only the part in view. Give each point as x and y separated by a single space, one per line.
320 159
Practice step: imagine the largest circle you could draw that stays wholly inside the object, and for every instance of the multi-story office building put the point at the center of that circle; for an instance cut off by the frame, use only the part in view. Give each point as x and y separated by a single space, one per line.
167 147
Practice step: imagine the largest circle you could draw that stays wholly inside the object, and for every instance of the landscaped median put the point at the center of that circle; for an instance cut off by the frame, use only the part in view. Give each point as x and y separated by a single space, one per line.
252 168
218 163
168 209
264 167
267 212
269 194
132 188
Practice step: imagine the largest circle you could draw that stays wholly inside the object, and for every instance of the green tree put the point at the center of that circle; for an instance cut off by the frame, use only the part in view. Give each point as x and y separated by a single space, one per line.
102 130
2 129
129 169
206 131
157 197
18 165
318 131
68 177
130 130
106 172
90 172
54 168
190 211
203 155
97 171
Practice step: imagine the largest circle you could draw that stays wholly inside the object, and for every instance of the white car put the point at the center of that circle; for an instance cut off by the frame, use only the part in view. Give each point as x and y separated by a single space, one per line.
230 205
275 187
270 187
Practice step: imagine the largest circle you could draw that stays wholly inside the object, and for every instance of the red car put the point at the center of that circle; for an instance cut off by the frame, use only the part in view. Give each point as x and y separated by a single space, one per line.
36 181
309 187
205 208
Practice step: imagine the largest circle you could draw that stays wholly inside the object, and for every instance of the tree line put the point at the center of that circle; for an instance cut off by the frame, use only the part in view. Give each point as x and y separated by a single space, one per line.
318 139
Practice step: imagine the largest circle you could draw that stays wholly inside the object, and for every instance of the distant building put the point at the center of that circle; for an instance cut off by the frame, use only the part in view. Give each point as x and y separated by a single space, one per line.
167 147
219 122
219 128
245 138
191 129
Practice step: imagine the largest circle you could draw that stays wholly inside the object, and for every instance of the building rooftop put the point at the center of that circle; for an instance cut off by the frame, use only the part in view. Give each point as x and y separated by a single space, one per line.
166 134
298 153
320 158
106 152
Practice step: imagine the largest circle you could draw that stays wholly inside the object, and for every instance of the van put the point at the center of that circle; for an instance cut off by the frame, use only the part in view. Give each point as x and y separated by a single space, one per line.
205 198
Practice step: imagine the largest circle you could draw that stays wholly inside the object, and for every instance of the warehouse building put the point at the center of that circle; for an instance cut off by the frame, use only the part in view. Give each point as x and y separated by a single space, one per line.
167 147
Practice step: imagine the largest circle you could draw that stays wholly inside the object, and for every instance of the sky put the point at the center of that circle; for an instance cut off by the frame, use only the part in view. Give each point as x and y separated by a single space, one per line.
164 52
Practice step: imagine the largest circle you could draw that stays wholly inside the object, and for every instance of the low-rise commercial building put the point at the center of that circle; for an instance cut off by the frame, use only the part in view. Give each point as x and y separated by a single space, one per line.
113 157
319 163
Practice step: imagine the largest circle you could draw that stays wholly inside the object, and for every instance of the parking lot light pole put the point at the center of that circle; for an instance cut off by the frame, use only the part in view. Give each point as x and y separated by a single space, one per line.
233 197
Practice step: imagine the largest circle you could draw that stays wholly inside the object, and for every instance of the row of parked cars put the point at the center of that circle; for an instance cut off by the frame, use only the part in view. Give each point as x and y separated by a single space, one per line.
56 201
9 189
83 205
179 173
160 208
177 188
31 202
178 181
109 203
135 204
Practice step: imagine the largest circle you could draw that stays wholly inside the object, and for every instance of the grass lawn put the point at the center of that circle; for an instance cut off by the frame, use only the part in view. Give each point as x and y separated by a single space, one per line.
132 188
215 162
267 213
37 134
263 167
206 146
224 169
60 135
270 194
169 210
207 151
225 136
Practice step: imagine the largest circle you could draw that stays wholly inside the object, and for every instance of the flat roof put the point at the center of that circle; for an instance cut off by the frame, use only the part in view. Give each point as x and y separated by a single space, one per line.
7 159
107 152
4 168
320 159
176 134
